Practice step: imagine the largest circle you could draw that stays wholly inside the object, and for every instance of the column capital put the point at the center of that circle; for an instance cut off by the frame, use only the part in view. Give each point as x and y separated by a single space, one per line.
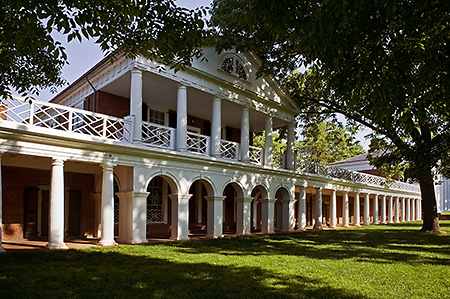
244 199
215 198
58 161
177 196
108 165
267 200
136 70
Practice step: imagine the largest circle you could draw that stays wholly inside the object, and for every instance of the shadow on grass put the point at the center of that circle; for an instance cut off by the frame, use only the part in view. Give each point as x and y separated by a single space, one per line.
83 274
379 244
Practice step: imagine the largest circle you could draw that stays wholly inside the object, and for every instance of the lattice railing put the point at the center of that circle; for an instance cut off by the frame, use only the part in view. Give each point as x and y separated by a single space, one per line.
158 135
354 176
59 117
278 160
198 143
255 154
229 149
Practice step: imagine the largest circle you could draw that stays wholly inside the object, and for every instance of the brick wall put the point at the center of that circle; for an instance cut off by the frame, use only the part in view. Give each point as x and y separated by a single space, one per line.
110 104
16 180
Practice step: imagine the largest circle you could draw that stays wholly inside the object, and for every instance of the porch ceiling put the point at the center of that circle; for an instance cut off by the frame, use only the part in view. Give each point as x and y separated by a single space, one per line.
161 92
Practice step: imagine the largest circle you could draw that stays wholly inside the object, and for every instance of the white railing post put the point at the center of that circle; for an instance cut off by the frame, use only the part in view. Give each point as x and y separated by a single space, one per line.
32 112
105 127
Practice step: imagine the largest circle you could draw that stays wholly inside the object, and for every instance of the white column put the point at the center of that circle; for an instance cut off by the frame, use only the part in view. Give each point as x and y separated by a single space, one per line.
243 211
419 209
290 147
367 209
397 210
245 135
357 217
180 216
107 212
268 140
391 210
333 209
214 228
133 217
375 209
255 213
412 211
56 213
345 208
216 128
136 103
181 118
318 215
408 209
302 208
403 214
383 209
267 215
1 205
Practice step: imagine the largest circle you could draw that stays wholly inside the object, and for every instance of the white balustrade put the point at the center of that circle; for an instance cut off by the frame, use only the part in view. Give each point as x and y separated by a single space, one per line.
229 150
278 160
158 135
59 117
359 177
197 143
256 154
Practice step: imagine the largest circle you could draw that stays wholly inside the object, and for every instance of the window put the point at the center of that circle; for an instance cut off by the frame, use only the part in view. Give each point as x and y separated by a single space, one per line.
234 66
155 211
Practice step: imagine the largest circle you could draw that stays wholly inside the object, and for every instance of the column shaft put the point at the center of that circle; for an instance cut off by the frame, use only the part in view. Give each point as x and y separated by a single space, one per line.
403 215
107 238
383 209
318 218
243 221
333 209
290 147
367 209
180 216
245 135
214 228
391 210
357 211
267 215
375 209
397 210
346 209
136 103
302 208
181 118
216 128
268 139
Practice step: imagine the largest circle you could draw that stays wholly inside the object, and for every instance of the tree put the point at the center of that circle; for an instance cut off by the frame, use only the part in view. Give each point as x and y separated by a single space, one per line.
381 63
325 142
31 59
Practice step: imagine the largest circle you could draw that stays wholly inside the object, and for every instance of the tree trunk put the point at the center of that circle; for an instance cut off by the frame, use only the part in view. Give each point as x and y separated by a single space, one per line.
429 207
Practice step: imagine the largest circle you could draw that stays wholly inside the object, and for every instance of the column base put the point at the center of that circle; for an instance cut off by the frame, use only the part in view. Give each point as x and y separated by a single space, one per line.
179 238
56 246
107 243
2 250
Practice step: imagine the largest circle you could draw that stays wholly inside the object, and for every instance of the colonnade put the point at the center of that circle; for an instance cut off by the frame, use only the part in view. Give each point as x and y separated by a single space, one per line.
399 208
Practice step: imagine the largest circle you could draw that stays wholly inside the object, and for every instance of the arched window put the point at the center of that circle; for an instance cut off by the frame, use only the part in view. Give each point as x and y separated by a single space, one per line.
155 210
234 66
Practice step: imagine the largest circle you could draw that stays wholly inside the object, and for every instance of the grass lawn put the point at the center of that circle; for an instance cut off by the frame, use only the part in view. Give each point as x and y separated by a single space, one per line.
389 261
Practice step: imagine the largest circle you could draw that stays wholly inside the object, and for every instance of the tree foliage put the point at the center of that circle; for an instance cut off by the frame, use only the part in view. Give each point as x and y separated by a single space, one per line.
31 58
325 142
381 63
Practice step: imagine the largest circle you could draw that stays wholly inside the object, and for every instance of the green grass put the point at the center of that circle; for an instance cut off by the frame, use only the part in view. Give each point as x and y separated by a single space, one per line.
392 261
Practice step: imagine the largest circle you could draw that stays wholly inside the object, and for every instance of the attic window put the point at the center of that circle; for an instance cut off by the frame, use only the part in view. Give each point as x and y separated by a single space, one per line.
233 66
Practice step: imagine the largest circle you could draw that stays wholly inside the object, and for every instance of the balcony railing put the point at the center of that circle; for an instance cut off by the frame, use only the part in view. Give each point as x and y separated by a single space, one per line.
158 135
197 143
278 160
67 119
229 150
349 175
256 155
63 118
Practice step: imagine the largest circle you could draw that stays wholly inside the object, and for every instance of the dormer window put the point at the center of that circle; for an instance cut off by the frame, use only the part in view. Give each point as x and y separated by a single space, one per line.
235 67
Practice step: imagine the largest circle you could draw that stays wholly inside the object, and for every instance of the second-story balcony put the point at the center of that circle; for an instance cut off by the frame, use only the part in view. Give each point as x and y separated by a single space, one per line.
49 117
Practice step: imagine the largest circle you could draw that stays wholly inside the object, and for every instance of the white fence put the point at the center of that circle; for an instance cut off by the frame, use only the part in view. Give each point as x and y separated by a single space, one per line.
197 143
229 149
59 117
158 135
256 155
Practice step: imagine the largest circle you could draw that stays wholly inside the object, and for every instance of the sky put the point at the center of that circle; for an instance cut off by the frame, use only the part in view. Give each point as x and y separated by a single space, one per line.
84 55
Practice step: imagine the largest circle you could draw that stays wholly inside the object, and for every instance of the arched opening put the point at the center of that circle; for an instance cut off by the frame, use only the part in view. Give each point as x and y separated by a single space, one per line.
281 220
198 207
231 192
159 208
258 193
